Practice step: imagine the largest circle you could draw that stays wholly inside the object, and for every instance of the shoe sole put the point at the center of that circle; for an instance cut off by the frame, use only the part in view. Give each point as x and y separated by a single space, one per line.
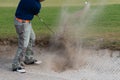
20 71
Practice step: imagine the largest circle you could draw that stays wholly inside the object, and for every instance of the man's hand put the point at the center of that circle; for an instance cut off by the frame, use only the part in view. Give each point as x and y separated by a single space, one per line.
41 0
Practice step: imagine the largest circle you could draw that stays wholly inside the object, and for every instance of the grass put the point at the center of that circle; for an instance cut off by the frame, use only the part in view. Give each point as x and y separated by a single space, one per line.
106 24
50 16
6 22
13 3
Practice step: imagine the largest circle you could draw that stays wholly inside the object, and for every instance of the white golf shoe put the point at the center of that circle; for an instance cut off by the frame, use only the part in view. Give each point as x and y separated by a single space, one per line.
37 62
20 70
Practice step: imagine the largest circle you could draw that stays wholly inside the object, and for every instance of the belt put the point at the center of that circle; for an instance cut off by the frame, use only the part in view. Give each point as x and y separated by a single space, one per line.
22 21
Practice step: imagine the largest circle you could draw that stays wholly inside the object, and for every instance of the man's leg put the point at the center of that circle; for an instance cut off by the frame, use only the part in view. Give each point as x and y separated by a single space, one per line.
29 52
29 59
23 31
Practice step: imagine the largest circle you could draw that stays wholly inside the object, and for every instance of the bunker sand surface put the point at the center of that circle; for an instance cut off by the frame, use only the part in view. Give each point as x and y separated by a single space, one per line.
88 65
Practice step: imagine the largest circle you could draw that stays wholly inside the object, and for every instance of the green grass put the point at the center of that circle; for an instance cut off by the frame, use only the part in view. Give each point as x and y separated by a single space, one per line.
106 25
6 22
50 16
14 3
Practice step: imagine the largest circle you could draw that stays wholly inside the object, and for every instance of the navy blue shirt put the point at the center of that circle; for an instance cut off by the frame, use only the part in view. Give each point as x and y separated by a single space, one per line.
27 9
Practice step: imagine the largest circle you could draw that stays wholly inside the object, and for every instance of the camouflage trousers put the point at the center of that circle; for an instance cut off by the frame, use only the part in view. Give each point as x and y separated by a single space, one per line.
26 39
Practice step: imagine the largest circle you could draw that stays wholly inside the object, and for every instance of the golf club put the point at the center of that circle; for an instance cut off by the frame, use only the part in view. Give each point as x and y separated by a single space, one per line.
41 20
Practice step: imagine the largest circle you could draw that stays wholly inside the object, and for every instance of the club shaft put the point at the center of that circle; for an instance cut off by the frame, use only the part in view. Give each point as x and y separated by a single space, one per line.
41 20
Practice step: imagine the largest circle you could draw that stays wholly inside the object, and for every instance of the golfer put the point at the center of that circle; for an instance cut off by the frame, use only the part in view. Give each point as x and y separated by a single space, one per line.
26 37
